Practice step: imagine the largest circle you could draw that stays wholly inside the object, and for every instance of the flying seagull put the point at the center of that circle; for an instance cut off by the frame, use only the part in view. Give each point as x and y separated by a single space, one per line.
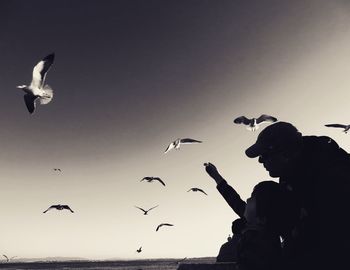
145 212
8 259
345 127
139 250
57 169
59 207
37 88
150 179
197 189
253 123
176 144
163 224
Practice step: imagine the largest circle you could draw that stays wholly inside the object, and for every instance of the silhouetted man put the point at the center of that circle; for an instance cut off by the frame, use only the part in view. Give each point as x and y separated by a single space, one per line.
317 170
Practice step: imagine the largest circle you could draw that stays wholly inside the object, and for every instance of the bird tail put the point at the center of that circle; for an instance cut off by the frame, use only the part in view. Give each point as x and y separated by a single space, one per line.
48 95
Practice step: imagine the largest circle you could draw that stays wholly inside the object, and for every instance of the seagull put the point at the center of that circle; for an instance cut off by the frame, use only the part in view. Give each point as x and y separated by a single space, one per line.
57 169
253 123
176 144
345 127
58 207
146 211
150 179
163 224
139 250
197 189
37 88
9 259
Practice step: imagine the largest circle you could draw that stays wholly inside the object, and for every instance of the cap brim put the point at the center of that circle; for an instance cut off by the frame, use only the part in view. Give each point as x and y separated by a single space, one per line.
254 151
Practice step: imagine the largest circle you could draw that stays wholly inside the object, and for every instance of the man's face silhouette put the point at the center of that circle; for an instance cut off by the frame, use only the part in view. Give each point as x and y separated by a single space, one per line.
276 163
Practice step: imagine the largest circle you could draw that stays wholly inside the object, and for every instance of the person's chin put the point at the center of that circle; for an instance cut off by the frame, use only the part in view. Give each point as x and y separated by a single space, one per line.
273 174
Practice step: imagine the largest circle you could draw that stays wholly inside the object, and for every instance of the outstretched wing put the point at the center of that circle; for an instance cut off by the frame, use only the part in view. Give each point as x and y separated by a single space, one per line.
163 224
242 120
201 190
51 207
40 70
140 208
170 146
191 189
67 207
7 258
265 118
189 140
336 125
29 100
160 180
152 208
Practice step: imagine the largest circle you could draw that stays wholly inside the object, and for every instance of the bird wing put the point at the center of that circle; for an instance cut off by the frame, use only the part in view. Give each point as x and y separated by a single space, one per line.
40 70
67 207
201 190
140 208
7 258
191 189
29 100
336 125
51 207
170 146
152 208
189 140
265 118
146 178
242 119
163 224
160 180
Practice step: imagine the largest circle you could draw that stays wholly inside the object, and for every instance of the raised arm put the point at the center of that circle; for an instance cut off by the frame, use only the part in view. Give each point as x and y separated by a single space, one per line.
229 193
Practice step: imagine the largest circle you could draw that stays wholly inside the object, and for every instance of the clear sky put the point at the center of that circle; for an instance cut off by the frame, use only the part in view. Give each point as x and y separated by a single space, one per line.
131 76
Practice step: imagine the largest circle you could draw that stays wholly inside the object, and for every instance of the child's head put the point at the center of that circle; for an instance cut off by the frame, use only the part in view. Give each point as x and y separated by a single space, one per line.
272 206
238 225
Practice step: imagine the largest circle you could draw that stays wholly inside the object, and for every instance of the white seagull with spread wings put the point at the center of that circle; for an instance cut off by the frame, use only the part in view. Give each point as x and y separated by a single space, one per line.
150 179
253 123
37 88
197 189
345 127
178 142
145 212
59 207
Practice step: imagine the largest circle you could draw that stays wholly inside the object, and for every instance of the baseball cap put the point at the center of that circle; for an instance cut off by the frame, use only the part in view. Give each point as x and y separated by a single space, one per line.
275 137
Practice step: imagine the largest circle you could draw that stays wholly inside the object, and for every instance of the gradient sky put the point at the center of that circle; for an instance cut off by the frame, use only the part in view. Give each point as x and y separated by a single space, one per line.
130 77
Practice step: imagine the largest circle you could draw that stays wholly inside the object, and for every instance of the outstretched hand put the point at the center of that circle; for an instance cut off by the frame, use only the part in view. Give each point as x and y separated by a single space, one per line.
213 172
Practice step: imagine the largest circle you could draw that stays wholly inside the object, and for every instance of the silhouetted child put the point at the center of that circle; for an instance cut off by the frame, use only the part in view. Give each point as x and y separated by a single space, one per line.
267 218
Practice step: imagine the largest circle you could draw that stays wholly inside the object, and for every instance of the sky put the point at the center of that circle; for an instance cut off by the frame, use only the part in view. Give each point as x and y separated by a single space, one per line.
130 77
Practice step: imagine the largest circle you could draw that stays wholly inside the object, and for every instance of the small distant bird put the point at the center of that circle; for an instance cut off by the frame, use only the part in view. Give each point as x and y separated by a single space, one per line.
37 89
145 212
57 169
197 189
345 127
163 224
150 179
59 207
139 250
253 123
176 144
9 259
